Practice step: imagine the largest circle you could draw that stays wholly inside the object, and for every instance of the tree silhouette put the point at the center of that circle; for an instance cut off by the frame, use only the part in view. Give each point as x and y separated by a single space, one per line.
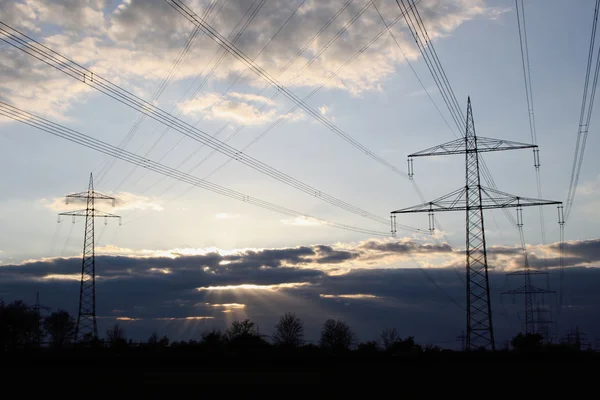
370 347
405 346
388 337
115 336
337 336
289 331
155 341
243 336
528 342
241 329
60 326
19 326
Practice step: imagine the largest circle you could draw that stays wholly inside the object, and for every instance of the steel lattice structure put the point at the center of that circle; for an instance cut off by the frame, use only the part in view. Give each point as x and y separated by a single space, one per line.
528 290
86 327
473 199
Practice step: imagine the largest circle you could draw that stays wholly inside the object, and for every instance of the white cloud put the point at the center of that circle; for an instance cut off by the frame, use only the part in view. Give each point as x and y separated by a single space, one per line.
272 288
135 44
226 216
302 221
590 187
356 296
214 106
323 109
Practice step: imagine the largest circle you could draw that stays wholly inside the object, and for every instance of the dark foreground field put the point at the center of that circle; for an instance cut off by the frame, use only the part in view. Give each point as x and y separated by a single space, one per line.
135 370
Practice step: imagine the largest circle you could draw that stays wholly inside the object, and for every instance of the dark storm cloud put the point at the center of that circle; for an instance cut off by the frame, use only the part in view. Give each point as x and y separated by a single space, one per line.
427 304
271 257
407 247
328 255
588 250
553 262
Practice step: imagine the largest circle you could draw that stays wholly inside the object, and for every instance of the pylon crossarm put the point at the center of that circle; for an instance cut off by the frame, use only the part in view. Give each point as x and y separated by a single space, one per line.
91 194
528 272
454 147
492 198
529 289
447 202
95 213
484 145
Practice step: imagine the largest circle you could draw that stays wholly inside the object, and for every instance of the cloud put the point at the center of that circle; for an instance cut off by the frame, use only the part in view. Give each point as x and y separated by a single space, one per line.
195 318
182 291
226 216
228 305
136 43
302 221
212 106
357 296
585 250
244 286
589 187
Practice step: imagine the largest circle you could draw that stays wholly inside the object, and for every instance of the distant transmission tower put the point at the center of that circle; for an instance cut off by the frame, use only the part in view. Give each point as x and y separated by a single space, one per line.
544 325
528 291
37 308
86 327
473 199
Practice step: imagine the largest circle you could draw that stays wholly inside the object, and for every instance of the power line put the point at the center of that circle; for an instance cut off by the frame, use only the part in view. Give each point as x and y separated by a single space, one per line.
63 132
76 71
189 45
388 28
441 80
208 108
232 49
584 117
237 35
530 110
283 116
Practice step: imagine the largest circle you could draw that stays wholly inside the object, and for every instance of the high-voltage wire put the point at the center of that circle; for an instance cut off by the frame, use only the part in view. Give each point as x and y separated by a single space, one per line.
296 106
587 104
206 78
427 50
189 45
226 44
276 94
208 108
76 71
529 95
63 132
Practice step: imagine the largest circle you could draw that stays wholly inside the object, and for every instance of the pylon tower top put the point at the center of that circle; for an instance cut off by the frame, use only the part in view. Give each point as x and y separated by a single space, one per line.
473 198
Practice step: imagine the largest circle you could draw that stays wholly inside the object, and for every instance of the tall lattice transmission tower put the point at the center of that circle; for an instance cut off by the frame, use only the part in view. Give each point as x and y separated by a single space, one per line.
86 328
473 198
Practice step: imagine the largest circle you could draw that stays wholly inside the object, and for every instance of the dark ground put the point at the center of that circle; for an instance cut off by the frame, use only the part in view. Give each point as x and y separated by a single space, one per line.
134 370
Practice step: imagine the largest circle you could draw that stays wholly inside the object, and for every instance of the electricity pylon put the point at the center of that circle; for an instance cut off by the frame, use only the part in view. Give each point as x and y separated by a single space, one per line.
86 327
473 199
37 308
528 290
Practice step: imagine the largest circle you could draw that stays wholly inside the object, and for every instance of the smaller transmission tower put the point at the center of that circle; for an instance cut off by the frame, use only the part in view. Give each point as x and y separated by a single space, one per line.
86 327
473 198
545 326
529 292
37 308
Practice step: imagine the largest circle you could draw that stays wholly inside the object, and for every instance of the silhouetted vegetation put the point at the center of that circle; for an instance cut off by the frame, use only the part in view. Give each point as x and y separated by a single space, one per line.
22 329
289 332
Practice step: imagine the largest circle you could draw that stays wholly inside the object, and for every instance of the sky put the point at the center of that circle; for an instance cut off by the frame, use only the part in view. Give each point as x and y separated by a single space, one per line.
186 259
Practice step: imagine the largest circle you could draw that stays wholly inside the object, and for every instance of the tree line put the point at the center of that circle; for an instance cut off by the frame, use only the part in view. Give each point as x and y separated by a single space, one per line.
23 327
